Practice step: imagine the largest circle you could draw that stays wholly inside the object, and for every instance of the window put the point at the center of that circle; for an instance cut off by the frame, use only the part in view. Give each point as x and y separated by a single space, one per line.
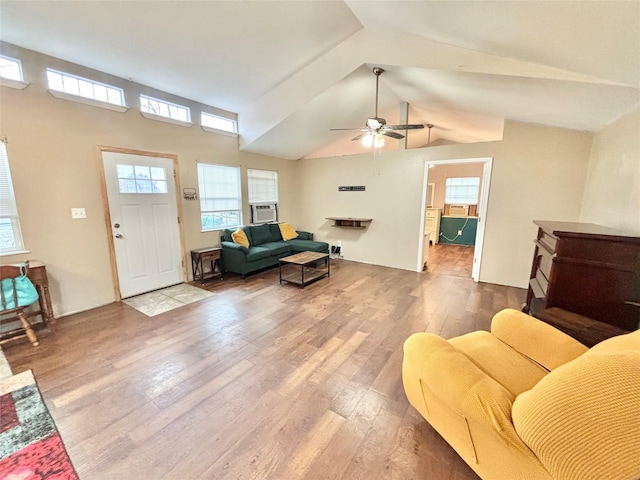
161 108
10 68
85 88
218 123
141 179
220 196
263 186
10 234
462 190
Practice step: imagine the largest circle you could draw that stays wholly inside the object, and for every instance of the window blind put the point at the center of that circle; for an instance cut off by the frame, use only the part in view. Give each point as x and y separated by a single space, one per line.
263 186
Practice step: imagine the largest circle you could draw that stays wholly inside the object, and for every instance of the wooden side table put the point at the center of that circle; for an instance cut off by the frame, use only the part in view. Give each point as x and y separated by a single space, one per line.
200 257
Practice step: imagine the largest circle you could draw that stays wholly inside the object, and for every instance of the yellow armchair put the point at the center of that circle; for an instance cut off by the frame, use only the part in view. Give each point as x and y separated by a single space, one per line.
503 399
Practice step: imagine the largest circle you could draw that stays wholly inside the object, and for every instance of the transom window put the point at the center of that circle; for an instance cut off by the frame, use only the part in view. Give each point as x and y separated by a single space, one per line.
10 68
165 109
462 190
263 186
220 196
10 234
141 179
219 123
85 88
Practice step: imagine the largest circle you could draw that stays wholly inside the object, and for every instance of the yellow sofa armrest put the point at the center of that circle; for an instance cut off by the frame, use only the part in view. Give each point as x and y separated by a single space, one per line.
535 339
433 363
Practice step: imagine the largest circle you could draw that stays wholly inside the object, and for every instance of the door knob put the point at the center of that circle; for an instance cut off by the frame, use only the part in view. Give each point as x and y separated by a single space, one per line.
119 235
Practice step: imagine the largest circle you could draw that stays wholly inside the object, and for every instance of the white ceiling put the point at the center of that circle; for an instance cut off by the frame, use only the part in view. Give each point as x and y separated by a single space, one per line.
294 69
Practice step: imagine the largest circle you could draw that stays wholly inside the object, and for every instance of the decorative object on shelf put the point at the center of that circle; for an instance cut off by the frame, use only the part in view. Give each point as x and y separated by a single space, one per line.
348 222
359 188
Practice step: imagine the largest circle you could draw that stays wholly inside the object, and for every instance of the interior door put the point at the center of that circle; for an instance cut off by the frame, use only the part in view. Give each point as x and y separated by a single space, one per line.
143 215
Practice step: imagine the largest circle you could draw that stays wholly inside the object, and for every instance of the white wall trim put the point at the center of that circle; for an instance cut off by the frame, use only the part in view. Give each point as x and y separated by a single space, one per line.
88 101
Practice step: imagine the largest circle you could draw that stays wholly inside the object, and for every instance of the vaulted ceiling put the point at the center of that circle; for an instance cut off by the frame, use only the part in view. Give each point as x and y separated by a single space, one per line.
294 69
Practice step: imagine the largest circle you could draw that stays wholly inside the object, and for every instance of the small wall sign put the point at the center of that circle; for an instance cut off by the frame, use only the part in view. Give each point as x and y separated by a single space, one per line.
358 188
189 194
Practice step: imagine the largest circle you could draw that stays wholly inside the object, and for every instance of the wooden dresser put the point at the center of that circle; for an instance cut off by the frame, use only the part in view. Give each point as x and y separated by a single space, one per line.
586 269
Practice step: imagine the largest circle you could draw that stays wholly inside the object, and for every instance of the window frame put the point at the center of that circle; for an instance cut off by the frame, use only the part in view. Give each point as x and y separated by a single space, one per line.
222 131
263 201
8 202
12 82
462 183
204 196
77 97
163 118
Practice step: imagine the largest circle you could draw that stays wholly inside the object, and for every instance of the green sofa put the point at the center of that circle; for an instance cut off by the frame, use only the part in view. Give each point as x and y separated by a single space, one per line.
266 247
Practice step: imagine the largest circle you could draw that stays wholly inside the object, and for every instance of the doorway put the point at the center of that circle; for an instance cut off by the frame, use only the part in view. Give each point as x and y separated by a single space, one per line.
433 205
143 215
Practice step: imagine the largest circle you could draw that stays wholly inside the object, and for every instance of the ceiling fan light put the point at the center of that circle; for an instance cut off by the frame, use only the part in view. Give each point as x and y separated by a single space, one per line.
367 140
378 142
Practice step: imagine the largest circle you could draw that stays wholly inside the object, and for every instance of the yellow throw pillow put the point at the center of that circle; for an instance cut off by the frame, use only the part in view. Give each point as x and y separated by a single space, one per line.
287 231
240 238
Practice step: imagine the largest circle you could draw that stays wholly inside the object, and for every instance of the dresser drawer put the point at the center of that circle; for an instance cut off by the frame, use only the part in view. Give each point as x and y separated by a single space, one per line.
431 214
545 262
542 281
548 241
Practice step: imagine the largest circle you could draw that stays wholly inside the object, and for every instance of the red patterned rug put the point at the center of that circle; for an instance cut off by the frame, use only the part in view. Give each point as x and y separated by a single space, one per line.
30 445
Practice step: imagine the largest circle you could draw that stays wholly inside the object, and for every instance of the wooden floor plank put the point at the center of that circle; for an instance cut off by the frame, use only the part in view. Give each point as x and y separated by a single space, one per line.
261 380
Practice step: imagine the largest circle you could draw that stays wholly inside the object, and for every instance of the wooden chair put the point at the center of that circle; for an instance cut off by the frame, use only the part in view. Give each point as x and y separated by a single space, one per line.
11 271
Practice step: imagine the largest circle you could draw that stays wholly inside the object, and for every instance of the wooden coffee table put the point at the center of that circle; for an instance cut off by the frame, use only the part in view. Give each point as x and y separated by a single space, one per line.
308 272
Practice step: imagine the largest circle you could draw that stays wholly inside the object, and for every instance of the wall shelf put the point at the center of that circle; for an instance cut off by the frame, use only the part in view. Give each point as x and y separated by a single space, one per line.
348 222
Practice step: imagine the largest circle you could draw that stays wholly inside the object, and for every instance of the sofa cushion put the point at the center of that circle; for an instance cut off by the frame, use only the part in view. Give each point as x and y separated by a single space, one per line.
277 248
258 253
240 238
582 420
260 234
298 245
287 231
513 371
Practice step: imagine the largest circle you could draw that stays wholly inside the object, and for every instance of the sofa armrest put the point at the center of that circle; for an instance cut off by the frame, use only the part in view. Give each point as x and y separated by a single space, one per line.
304 235
535 339
432 362
234 247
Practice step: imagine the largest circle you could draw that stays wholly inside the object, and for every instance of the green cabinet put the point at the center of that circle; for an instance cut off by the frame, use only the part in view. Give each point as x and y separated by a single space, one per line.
450 226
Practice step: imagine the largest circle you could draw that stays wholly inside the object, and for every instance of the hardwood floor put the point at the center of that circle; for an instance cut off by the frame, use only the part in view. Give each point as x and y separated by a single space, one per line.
259 381
450 259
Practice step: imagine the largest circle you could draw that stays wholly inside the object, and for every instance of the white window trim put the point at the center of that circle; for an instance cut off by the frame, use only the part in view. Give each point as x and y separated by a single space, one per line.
17 84
15 216
160 118
88 101
218 131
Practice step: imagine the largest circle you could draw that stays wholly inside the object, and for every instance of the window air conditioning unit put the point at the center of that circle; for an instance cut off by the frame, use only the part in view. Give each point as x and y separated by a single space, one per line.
459 210
264 213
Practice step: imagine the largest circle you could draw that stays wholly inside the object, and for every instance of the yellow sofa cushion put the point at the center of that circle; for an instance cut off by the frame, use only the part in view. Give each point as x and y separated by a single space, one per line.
240 238
499 361
582 419
287 231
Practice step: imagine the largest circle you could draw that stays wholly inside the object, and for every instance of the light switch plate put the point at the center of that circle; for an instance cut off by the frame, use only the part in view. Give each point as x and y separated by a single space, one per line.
78 213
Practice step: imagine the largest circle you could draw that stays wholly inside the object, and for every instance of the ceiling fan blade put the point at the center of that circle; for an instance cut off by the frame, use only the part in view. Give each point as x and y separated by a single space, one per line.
362 135
392 134
413 126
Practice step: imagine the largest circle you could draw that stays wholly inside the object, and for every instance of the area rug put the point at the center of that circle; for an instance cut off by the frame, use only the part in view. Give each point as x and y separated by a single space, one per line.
160 301
30 445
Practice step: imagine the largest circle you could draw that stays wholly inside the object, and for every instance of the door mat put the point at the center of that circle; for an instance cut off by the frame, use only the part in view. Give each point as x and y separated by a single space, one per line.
30 445
160 301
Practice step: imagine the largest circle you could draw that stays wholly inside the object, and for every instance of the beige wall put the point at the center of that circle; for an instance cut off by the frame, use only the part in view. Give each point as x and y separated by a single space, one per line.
52 154
612 193
538 173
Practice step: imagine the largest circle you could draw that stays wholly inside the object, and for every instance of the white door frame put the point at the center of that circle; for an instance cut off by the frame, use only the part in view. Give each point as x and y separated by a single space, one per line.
107 214
482 214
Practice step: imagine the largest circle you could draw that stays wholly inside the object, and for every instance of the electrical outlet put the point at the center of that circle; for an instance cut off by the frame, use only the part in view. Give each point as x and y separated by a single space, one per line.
459 232
78 213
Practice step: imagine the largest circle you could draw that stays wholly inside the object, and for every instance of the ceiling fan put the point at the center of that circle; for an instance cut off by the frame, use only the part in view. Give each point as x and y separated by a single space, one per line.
376 127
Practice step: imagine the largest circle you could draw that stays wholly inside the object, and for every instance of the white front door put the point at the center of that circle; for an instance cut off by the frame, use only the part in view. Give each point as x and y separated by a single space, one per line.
144 221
